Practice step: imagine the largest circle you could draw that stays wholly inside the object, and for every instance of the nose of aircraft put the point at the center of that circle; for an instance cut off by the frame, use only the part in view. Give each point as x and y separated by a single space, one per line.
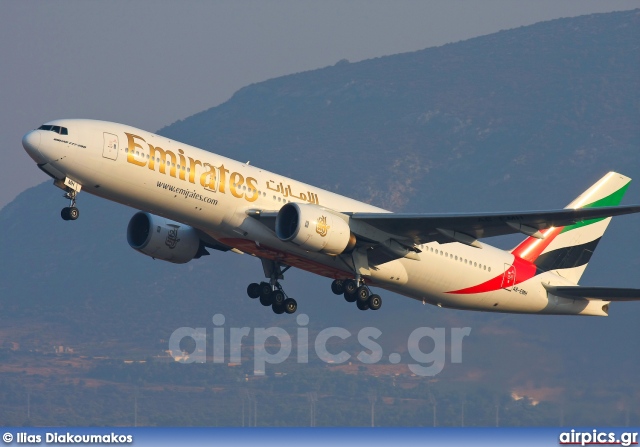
31 144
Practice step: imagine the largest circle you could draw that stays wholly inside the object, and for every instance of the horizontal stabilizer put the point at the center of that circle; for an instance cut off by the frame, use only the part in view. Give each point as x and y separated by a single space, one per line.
594 293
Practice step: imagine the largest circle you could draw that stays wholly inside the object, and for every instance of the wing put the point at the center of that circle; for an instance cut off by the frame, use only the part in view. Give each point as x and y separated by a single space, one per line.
467 228
594 293
388 236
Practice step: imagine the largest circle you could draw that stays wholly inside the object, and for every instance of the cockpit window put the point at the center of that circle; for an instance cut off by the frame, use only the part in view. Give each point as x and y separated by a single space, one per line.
57 129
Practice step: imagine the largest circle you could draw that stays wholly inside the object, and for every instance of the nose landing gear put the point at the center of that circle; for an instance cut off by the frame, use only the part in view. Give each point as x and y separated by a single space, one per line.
70 212
71 189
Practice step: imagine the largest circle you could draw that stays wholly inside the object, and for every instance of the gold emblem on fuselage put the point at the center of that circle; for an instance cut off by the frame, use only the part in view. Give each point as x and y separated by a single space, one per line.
321 226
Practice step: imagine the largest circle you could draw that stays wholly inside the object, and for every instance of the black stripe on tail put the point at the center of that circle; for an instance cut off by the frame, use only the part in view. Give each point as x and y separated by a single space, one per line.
567 257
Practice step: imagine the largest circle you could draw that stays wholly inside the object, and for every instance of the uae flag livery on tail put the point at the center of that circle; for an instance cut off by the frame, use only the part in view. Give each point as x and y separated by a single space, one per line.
569 249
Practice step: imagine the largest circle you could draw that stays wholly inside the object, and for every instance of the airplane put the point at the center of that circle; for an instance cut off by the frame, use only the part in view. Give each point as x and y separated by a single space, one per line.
192 201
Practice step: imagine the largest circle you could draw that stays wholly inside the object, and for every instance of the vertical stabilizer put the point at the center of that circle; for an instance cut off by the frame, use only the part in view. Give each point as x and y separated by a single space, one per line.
567 250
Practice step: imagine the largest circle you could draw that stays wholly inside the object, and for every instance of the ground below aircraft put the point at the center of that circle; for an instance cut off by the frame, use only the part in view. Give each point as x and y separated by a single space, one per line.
193 200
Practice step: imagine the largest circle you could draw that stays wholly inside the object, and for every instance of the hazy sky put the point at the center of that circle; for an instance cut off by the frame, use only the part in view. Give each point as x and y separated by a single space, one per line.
149 64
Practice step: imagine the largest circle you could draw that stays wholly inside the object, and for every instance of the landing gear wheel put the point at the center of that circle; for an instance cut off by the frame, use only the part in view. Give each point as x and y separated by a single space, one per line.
350 298
253 290
362 306
266 300
265 289
277 297
374 302
350 286
74 213
337 286
278 308
290 305
362 294
70 213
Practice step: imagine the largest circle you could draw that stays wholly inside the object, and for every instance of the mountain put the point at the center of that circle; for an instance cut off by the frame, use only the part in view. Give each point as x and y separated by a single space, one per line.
521 119
511 111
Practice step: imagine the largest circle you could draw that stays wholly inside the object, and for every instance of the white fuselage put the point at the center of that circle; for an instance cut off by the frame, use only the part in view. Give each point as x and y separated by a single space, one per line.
213 193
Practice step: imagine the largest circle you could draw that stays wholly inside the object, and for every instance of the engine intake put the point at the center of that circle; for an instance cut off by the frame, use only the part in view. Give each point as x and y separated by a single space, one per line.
314 228
163 239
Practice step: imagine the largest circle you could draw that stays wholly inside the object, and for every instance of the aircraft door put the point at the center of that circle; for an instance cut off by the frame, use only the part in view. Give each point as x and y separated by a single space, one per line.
110 148
509 278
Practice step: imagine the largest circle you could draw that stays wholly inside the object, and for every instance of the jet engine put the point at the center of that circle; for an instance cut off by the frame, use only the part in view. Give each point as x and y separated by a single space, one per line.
314 229
163 239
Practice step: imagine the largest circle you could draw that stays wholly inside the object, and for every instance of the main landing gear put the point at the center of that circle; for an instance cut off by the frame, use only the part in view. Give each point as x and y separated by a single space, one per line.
274 297
70 212
356 292
271 293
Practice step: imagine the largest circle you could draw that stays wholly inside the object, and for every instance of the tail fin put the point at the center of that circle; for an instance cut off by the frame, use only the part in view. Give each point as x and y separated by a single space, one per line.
568 249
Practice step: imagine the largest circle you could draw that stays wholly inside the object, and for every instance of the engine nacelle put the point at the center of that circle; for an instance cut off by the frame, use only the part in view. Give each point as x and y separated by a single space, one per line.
314 228
162 238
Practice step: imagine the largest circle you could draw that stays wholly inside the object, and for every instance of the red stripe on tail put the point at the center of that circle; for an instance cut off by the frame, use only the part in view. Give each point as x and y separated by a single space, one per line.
531 248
